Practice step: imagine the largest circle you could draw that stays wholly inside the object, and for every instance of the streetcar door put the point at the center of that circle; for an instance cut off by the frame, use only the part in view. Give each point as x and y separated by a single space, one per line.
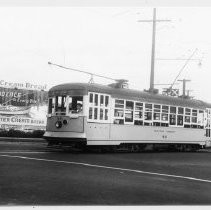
207 122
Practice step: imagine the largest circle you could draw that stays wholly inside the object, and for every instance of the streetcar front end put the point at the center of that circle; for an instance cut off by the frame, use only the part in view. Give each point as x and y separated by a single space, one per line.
66 118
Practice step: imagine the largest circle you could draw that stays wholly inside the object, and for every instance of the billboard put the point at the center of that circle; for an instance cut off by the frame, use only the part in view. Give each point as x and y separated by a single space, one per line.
23 106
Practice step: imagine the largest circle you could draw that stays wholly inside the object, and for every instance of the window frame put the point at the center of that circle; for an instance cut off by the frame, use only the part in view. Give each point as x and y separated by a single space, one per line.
121 109
129 110
180 115
101 108
174 114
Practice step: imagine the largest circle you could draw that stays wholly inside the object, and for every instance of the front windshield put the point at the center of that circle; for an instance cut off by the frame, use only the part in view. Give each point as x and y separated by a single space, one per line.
62 105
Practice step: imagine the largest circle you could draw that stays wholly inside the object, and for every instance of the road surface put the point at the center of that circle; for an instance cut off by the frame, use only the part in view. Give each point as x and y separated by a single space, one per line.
32 174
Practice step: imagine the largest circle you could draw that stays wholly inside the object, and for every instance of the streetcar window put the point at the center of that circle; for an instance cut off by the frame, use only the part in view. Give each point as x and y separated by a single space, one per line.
119 103
180 120
106 114
194 120
148 112
156 108
172 116
148 115
106 101
156 123
138 113
187 111
156 115
53 104
187 119
138 122
60 107
98 107
164 117
194 116
59 101
148 107
91 98
101 100
207 132
172 119
148 123
96 99
129 111
193 126
118 113
50 105
128 116
180 110
95 113
173 109
76 104
194 112
101 114
139 106
201 119
119 121
90 112
129 105
165 108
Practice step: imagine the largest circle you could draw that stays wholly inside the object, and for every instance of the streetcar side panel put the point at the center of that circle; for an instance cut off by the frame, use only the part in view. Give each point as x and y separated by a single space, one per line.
105 134
148 134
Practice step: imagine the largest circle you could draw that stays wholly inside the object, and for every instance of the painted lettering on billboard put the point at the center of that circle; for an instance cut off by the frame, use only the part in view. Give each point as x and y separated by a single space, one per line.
22 108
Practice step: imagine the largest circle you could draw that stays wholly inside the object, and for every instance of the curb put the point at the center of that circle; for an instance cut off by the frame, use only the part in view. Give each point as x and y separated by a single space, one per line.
16 139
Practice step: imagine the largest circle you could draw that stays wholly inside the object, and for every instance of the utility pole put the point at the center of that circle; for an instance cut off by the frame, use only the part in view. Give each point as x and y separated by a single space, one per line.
151 89
188 94
184 86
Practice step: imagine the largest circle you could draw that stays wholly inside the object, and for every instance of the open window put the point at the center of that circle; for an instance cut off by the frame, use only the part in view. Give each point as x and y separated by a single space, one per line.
60 105
119 111
148 114
138 116
172 116
75 104
180 114
157 115
165 116
201 119
129 111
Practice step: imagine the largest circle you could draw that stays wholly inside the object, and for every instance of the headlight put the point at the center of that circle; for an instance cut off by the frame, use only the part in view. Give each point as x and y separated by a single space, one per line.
65 122
58 124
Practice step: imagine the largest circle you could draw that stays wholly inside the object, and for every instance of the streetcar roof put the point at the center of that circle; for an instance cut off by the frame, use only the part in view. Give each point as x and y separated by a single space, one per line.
80 89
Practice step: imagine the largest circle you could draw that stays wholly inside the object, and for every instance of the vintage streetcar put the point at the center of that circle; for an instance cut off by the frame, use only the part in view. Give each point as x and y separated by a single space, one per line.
84 115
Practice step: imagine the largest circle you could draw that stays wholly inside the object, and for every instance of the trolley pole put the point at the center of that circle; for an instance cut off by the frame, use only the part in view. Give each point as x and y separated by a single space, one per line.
154 21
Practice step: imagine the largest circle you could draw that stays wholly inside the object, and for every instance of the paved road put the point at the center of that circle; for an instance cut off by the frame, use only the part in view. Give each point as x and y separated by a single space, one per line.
31 174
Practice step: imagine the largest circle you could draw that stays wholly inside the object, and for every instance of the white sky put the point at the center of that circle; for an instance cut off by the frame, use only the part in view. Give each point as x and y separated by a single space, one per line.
107 41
